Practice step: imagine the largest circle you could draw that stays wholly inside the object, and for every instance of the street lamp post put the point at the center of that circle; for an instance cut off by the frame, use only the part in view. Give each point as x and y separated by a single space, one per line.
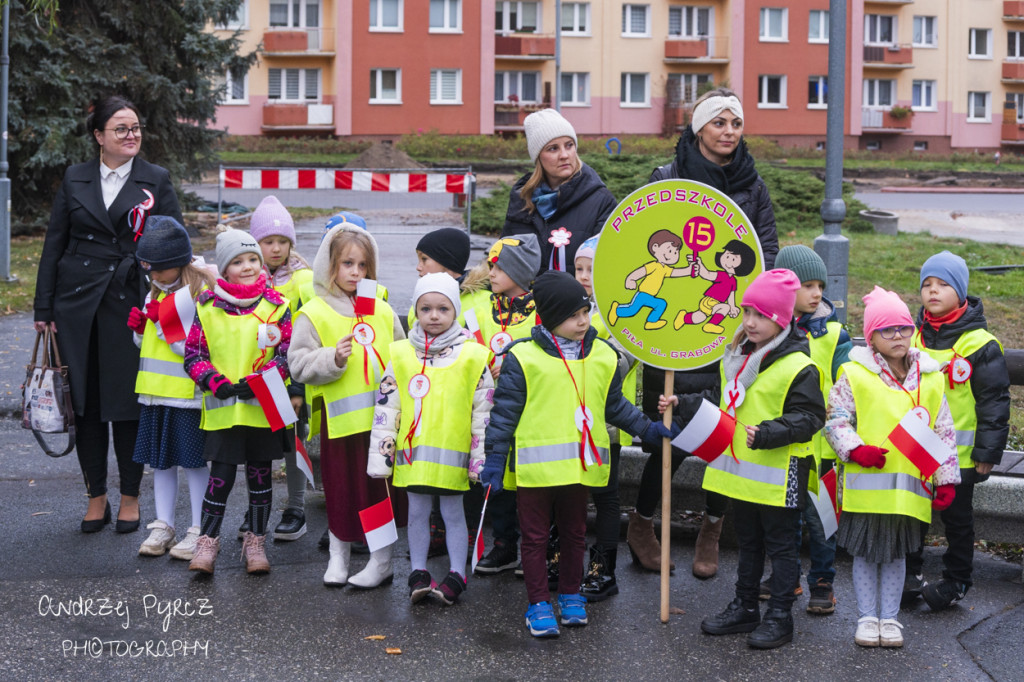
5 182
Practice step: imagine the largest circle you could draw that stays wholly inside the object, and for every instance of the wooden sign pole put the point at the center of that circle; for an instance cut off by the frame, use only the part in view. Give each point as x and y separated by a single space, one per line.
666 497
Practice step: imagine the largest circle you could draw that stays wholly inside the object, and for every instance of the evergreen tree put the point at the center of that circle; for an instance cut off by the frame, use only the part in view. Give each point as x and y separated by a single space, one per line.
157 53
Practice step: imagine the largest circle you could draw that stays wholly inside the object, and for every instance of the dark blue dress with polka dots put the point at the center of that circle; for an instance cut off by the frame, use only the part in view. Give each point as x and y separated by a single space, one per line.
170 436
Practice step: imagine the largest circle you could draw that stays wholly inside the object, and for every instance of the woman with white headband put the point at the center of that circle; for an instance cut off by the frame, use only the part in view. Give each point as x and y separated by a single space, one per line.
710 150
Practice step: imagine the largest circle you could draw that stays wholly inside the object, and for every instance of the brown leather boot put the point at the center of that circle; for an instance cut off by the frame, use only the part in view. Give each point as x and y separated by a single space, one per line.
205 554
254 553
643 543
705 555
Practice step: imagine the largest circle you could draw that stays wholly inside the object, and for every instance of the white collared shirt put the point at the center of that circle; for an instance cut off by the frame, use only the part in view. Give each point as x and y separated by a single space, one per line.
113 179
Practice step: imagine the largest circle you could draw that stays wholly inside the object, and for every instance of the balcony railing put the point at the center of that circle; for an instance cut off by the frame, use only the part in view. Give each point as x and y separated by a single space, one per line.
298 116
889 55
1013 9
510 115
882 120
1012 132
1013 71
298 41
704 48
524 46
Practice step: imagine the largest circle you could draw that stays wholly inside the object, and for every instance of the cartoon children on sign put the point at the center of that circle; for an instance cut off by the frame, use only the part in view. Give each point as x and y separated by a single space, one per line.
735 260
664 245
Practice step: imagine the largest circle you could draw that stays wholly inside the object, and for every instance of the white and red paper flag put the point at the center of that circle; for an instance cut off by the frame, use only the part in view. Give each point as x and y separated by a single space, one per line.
708 434
478 544
272 395
366 296
918 443
825 503
176 313
379 525
303 461
473 325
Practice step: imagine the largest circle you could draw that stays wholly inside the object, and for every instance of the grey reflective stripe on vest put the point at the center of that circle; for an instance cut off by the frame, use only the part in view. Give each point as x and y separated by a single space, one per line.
540 454
167 368
428 453
886 481
352 403
964 438
212 402
749 470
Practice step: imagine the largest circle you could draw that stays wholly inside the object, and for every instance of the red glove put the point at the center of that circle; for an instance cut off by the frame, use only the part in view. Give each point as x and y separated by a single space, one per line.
153 311
869 456
137 321
944 495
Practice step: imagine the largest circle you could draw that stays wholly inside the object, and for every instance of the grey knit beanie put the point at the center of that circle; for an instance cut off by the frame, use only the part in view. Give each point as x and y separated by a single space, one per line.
231 243
543 126
518 257
164 244
802 260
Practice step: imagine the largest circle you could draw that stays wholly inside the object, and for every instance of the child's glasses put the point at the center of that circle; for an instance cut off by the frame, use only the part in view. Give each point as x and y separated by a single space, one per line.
905 331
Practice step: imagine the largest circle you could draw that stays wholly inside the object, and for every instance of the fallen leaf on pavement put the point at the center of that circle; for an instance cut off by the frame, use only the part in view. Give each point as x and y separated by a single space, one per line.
676 611
375 638
392 650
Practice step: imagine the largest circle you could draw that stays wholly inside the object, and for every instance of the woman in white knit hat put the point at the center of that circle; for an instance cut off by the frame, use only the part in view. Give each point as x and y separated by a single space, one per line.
562 201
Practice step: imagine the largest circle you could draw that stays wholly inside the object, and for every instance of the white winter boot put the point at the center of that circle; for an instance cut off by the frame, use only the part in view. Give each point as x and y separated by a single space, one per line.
377 571
337 567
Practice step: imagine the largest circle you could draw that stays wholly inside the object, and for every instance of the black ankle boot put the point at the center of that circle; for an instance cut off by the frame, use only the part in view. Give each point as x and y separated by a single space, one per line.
775 630
599 582
735 618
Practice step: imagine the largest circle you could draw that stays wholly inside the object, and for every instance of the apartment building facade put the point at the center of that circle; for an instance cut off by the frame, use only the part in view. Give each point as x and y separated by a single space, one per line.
930 75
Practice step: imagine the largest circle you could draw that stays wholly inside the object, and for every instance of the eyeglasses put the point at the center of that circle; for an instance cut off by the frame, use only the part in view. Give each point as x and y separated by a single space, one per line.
121 132
905 331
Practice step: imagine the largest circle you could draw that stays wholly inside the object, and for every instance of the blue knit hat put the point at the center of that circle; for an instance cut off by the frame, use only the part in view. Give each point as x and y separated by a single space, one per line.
164 244
951 269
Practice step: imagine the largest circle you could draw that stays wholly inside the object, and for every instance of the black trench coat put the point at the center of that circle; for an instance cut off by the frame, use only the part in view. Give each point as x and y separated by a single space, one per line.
88 277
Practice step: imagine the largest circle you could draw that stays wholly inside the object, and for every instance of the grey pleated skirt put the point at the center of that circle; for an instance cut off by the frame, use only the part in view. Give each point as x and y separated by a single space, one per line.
879 538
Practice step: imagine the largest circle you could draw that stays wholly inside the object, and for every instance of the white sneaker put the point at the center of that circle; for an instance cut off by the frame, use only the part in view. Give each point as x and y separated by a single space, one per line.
187 547
867 631
890 633
159 540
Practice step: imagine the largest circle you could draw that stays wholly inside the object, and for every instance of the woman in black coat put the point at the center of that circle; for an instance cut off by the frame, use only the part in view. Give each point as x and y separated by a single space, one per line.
88 282
562 201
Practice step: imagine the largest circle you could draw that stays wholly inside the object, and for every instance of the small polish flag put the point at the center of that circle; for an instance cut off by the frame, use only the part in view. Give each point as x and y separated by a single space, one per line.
473 325
478 544
273 398
176 313
302 460
708 434
366 296
918 443
379 525
825 503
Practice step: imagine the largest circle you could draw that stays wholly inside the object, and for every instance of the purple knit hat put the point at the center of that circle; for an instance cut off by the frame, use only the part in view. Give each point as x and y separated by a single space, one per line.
271 218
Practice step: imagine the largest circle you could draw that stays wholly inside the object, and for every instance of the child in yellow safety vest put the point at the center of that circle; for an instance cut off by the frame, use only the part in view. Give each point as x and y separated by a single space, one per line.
169 434
241 333
556 392
772 387
953 330
274 230
430 431
885 499
447 250
340 355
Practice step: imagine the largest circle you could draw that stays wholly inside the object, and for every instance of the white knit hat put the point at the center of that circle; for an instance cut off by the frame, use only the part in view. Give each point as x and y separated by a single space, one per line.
543 126
438 283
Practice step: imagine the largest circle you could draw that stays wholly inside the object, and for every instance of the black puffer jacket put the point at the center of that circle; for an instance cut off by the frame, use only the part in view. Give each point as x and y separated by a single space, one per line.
584 203
510 398
990 380
803 412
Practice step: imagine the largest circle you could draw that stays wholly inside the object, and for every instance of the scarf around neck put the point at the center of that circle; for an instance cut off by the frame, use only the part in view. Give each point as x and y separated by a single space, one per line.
241 295
452 337
734 358
735 176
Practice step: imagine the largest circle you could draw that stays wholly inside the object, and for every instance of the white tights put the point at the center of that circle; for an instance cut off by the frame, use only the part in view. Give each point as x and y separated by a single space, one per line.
456 533
876 584
165 492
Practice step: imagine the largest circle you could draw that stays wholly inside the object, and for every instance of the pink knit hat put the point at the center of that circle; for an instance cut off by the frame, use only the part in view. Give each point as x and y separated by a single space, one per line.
271 218
884 309
773 294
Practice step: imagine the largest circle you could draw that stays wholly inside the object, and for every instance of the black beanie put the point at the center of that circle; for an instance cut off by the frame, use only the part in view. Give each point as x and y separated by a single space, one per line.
558 296
449 246
164 244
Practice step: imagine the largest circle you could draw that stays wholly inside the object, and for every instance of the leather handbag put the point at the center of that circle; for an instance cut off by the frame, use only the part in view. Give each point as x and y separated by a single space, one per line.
46 395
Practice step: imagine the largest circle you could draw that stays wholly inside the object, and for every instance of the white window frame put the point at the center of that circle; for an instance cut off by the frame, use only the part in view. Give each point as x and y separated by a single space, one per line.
508 77
872 24
920 145
689 21
973 35
301 21
446 13
376 25
506 16
228 82
576 77
579 13
819 18
762 92
1015 43
929 31
240 22
436 74
928 90
872 92
693 81
303 78
1018 99
765 25
627 15
822 82
972 95
626 79
377 78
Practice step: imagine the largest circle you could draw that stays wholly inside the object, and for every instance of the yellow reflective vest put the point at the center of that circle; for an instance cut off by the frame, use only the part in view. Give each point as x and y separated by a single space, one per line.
298 289
896 488
823 351
161 370
488 327
628 383
440 450
960 397
349 399
759 476
547 442
232 342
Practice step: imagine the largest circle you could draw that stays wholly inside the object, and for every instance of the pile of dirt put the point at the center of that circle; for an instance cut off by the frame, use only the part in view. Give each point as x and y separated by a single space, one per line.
383 155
